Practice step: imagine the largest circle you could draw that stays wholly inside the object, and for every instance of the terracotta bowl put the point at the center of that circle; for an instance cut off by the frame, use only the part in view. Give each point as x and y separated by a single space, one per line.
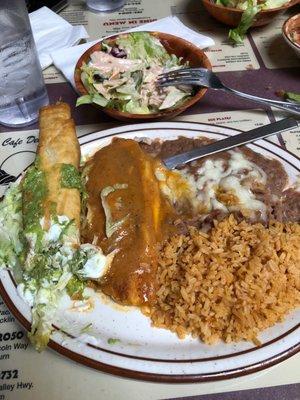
291 30
173 45
232 16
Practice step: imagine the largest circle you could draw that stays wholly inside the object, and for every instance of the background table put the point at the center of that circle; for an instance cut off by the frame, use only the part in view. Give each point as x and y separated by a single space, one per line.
263 65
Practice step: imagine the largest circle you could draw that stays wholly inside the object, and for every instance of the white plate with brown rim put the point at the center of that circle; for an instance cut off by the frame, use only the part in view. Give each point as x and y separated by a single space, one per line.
121 341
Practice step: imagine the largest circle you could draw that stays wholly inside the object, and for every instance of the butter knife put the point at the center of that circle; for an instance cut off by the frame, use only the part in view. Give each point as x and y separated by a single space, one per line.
231 142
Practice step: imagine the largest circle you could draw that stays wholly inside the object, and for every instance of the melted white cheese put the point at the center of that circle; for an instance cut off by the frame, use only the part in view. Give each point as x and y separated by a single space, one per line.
246 198
235 176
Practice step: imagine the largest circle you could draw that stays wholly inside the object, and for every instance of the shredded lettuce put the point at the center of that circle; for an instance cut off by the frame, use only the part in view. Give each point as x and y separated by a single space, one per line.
89 77
269 4
251 8
295 97
173 97
128 89
43 313
10 227
137 77
142 46
58 269
92 98
86 328
133 107
46 272
237 35
86 99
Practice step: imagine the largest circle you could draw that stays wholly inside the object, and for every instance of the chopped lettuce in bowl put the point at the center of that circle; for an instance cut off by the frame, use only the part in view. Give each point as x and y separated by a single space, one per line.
122 75
250 10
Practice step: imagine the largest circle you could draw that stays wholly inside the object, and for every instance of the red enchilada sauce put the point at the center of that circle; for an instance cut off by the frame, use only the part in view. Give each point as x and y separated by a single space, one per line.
146 218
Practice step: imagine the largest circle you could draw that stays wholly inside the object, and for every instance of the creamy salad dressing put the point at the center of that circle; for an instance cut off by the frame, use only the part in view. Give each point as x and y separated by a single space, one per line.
123 75
111 66
150 93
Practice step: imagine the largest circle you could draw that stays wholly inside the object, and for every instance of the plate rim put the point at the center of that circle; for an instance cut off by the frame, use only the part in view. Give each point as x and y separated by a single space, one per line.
147 376
150 376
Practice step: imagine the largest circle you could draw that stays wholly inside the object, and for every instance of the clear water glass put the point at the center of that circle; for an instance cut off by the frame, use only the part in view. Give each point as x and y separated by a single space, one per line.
22 87
104 5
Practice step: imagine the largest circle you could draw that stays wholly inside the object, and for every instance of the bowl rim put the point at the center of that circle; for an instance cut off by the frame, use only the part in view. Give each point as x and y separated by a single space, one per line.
285 31
164 113
237 11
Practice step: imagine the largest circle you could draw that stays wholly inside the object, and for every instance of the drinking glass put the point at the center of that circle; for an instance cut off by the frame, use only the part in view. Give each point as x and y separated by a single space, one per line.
22 87
105 5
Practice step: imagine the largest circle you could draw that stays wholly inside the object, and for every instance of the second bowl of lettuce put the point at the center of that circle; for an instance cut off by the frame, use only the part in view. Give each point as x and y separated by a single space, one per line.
119 75
243 14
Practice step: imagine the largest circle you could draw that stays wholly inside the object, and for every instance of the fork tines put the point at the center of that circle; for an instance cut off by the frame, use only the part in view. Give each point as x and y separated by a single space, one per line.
181 76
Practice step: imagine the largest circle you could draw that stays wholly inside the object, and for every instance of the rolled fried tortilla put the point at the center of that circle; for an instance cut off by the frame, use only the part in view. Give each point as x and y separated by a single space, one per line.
51 187
59 157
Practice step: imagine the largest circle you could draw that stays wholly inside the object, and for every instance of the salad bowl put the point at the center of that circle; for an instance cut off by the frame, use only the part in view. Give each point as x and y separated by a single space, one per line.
232 16
290 32
186 53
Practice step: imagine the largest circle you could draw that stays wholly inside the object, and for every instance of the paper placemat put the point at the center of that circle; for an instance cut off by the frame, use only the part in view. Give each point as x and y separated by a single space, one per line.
272 48
242 120
290 138
223 56
18 150
98 25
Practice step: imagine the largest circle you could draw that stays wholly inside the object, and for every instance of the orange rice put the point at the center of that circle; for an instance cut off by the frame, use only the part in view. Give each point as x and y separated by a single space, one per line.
230 283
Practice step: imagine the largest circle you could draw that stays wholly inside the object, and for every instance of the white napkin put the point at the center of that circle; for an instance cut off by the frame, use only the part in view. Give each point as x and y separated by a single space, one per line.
174 26
66 59
51 32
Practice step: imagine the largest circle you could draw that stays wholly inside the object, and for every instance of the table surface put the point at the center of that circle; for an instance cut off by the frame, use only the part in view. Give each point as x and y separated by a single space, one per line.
263 75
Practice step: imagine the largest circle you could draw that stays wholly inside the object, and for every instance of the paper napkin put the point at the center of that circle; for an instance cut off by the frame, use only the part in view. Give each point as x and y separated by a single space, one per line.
51 32
66 59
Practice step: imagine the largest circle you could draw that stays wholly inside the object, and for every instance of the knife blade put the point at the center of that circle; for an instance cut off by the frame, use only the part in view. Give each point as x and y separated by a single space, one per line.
231 142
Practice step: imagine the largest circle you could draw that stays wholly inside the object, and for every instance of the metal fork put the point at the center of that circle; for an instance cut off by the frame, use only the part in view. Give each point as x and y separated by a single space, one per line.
206 78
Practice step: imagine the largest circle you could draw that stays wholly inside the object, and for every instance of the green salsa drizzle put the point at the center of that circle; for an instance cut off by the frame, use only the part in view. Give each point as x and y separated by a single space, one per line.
34 193
42 268
75 287
53 211
70 177
113 341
